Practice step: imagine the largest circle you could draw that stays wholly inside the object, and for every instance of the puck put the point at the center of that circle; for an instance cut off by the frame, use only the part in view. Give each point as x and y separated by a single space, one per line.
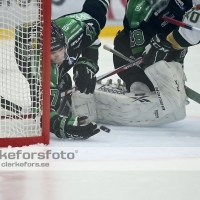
104 128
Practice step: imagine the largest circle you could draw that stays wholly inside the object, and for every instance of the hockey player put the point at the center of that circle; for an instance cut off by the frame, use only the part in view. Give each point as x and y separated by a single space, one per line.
74 43
162 47
156 86
142 21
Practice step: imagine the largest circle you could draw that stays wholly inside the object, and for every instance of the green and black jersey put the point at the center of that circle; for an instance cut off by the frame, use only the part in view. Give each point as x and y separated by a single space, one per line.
81 32
141 22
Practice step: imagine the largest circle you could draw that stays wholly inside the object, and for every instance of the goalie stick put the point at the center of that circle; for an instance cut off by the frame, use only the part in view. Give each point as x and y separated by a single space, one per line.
190 93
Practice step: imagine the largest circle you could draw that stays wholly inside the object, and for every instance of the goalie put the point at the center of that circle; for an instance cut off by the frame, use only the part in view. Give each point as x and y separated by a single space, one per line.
74 43
162 47
155 89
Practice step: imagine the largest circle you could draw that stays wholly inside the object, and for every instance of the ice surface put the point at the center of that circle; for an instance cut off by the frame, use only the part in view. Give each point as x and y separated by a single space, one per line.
127 163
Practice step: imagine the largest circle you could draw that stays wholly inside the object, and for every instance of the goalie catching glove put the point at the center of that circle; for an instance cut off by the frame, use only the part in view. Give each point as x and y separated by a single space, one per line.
84 75
158 49
64 127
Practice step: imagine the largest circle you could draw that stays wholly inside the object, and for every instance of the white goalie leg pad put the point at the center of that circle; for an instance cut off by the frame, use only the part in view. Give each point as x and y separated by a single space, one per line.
133 110
84 105
168 79
111 106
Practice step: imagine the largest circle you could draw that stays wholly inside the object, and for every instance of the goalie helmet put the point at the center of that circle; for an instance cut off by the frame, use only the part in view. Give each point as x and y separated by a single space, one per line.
57 37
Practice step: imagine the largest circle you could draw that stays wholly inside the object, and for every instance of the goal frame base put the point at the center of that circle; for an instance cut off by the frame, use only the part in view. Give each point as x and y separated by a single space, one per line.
23 141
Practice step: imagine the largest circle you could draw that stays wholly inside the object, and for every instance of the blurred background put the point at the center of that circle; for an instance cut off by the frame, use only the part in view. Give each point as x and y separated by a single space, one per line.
114 17
60 7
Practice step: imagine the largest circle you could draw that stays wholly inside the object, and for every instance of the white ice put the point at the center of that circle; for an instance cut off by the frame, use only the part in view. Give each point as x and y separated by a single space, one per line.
157 163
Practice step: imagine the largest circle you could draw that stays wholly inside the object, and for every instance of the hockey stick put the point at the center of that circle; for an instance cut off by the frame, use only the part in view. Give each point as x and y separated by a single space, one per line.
120 69
115 71
14 109
190 93
117 53
181 24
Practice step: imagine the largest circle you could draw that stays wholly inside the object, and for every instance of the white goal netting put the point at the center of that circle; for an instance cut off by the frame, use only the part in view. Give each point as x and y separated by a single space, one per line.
20 68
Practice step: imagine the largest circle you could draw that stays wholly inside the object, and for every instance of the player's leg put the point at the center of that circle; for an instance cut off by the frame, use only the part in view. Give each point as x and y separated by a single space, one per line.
112 106
168 79
133 76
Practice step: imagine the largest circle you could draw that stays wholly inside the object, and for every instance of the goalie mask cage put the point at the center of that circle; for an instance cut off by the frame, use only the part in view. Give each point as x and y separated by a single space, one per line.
25 27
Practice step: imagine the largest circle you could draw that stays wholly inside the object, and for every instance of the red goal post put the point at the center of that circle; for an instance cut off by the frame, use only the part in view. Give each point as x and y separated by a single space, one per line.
24 92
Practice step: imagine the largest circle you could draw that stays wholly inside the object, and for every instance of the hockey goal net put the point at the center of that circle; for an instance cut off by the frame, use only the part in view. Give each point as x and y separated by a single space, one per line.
24 72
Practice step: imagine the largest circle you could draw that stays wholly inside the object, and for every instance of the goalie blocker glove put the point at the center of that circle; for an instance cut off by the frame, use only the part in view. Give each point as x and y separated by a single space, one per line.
158 49
64 127
84 75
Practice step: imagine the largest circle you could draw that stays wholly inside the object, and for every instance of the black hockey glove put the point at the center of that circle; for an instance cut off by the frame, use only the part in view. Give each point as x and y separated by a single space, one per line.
158 49
64 127
84 75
